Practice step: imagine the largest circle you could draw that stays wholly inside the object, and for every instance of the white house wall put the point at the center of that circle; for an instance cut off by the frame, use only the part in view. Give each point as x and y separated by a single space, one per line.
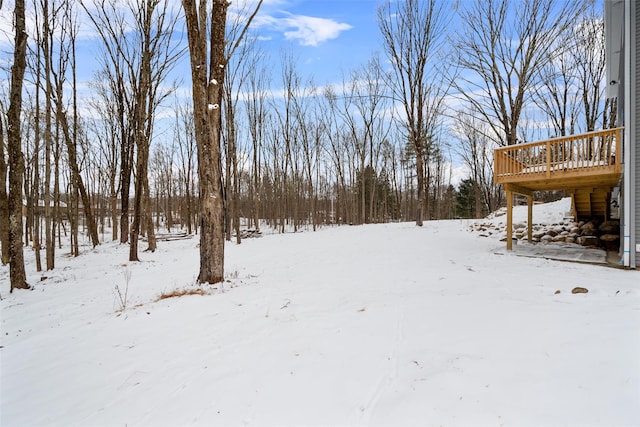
633 120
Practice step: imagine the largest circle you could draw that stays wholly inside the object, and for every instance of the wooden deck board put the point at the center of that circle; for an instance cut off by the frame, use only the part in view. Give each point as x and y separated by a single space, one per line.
578 161
581 164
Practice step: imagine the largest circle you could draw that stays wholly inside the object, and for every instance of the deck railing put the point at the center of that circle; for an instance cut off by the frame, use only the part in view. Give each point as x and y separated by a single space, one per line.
592 152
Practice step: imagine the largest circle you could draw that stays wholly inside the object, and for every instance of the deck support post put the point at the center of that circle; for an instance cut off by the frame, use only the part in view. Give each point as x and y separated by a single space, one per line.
529 218
509 220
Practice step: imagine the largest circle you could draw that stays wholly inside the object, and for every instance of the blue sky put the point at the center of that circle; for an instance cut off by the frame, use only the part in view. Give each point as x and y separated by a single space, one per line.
327 37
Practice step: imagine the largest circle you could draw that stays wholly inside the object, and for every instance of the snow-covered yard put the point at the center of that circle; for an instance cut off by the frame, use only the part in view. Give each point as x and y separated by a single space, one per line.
388 325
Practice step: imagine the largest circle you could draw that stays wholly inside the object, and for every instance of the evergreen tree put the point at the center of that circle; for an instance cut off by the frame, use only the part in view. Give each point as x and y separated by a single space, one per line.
465 199
385 206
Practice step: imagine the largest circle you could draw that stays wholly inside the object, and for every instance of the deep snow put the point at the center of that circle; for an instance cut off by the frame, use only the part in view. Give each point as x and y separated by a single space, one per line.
388 325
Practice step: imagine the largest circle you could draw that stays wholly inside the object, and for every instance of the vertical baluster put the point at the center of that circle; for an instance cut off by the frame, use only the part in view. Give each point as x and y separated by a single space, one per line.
548 145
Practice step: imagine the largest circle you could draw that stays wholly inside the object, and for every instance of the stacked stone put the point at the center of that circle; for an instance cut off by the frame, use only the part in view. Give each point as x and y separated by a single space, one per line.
585 233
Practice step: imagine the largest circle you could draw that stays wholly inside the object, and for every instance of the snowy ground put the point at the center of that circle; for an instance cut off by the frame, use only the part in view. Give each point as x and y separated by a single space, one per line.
382 325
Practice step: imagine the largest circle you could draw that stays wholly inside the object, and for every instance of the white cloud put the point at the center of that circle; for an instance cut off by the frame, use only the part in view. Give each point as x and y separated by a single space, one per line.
307 30
311 31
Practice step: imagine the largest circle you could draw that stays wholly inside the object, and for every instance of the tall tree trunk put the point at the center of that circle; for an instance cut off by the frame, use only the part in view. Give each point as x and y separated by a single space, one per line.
232 220
170 220
75 248
4 201
139 122
421 184
36 166
75 171
36 203
207 101
256 187
113 207
211 197
148 215
74 216
17 272
188 201
228 190
126 159
56 212
48 141
412 33
141 170
207 97
28 196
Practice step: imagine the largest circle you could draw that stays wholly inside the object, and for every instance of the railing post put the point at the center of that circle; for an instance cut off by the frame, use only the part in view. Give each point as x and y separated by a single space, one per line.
548 158
574 156
619 158
530 218
509 220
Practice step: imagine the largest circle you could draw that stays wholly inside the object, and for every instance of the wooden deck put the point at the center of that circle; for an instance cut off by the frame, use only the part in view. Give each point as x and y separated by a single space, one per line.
585 164
576 161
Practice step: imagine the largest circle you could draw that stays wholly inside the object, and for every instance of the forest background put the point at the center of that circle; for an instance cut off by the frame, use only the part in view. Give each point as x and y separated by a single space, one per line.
338 112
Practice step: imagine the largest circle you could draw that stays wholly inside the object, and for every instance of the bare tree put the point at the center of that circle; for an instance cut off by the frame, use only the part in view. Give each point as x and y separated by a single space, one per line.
155 26
502 49
4 200
589 59
557 95
117 64
371 101
310 133
237 71
413 35
256 110
574 77
162 161
185 138
69 122
353 127
36 69
17 272
476 149
206 29
75 190
140 51
335 132
47 33
104 130
286 134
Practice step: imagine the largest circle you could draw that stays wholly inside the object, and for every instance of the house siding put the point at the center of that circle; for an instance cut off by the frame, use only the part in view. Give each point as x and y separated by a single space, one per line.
635 168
